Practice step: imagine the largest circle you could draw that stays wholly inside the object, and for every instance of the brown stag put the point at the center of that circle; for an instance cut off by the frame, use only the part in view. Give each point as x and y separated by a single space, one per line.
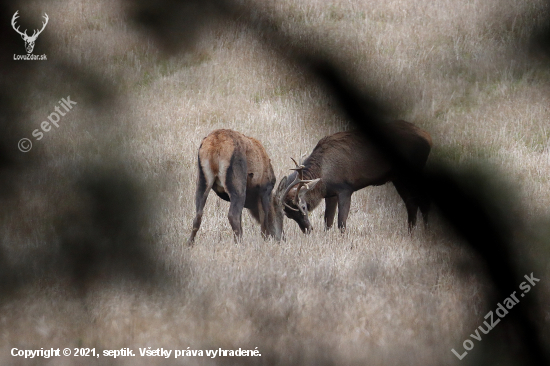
239 170
346 162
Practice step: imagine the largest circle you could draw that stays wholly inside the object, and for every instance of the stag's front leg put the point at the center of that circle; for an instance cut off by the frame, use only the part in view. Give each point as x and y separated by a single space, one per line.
406 190
330 211
344 203
425 207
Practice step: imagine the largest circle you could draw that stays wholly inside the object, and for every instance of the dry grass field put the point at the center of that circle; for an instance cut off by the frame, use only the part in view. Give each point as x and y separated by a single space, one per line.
372 296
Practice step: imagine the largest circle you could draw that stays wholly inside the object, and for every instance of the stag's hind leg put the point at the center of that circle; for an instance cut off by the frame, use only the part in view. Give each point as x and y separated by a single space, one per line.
235 215
203 189
235 185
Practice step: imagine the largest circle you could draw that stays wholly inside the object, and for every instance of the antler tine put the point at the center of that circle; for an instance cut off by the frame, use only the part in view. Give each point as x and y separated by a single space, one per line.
45 16
299 168
299 180
13 19
300 183
292 208
302 158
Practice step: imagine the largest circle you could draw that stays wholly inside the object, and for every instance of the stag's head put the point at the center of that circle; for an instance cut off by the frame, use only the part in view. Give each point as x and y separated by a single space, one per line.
294 198
29 40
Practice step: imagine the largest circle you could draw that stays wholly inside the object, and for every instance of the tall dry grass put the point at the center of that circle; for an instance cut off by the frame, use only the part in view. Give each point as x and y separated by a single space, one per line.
374 295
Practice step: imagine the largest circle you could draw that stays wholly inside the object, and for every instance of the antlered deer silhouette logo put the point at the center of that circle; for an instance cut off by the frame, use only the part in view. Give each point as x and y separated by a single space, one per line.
29 41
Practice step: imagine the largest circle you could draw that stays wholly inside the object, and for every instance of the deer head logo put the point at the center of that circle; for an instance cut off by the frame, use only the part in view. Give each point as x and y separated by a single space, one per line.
29 41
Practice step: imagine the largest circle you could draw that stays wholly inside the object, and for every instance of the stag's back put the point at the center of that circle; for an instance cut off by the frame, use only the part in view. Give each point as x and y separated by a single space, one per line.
224 151
349 157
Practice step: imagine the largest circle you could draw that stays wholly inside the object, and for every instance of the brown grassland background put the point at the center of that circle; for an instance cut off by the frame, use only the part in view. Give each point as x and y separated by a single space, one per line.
372 296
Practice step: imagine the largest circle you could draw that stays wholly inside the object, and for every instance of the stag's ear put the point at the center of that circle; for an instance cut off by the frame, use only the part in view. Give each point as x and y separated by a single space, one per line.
313 183
281 188
308 187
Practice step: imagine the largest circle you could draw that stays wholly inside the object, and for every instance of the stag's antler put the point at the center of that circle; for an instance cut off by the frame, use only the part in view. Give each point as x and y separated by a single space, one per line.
35 35
13 19
299 168
300 181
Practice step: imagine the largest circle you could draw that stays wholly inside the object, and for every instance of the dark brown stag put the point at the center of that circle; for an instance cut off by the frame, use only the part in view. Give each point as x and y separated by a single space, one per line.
346 162
239 170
